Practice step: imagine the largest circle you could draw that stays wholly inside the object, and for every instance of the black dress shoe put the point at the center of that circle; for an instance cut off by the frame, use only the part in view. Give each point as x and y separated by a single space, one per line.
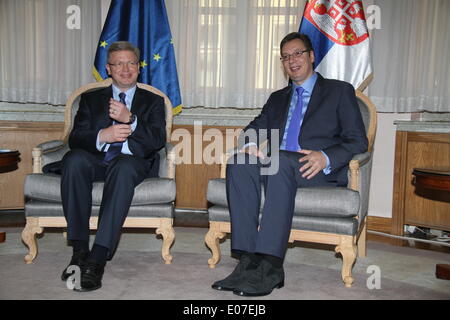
261 281
77 259
91 276
237 276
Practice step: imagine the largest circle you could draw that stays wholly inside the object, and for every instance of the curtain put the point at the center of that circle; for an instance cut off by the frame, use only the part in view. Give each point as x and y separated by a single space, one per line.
41 59
228 50
410 56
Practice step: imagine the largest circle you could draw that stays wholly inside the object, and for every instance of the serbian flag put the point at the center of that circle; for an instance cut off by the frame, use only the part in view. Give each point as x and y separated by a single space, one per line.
339 35
144 23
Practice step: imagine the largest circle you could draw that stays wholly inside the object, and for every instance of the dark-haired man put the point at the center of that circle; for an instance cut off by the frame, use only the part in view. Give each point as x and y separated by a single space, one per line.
320 129
116 135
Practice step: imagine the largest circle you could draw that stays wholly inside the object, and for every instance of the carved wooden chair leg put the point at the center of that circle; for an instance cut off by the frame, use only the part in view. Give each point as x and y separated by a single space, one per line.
347 248
212 240
168 234
29 238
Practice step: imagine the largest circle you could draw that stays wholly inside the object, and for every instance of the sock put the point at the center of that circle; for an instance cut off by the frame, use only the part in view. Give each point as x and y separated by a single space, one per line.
80 245
273 260
98 254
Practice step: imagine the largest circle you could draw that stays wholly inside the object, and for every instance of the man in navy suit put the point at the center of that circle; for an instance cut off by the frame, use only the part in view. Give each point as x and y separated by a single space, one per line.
116 135
320 129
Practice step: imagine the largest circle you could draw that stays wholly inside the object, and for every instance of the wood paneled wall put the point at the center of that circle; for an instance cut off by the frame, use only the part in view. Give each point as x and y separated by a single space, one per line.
22 136
192 175
205 145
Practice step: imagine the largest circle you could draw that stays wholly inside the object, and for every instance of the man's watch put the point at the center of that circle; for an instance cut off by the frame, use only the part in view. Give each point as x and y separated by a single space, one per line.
132 119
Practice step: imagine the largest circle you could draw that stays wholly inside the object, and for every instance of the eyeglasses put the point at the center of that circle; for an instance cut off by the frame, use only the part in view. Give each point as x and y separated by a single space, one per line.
295 55
131 64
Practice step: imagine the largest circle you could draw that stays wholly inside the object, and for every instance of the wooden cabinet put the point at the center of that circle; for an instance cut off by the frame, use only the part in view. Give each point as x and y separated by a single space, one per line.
22 136
426 208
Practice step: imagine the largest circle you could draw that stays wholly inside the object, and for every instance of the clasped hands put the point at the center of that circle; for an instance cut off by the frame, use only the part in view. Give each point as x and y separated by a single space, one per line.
117 132
315 160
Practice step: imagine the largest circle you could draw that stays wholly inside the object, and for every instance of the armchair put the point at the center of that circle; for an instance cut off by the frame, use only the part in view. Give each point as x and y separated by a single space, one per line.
152 205
336 216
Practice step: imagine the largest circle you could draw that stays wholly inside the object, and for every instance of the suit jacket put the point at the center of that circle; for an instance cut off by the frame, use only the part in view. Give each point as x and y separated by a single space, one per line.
93 115
332 123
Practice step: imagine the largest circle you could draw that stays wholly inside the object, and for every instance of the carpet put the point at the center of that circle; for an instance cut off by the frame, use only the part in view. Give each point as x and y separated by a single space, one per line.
138 272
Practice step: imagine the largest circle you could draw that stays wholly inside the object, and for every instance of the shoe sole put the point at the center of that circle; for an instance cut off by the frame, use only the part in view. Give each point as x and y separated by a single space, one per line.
258 294
220 288
87 289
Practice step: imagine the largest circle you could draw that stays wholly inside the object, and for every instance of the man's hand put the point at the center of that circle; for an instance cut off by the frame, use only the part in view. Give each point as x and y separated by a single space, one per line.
115 133
315 162
118 111
253 150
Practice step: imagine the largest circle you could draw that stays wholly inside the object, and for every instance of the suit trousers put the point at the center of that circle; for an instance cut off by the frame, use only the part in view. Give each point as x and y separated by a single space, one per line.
80 170
268 233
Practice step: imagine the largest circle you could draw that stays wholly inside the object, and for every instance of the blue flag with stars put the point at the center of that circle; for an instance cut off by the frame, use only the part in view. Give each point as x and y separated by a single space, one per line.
144 23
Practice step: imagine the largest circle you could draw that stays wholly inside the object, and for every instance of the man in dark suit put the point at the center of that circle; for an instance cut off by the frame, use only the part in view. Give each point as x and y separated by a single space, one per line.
320 128
116 135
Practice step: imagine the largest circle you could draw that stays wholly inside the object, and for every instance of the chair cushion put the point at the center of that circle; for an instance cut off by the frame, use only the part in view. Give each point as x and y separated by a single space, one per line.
37 208
345 226
46 187
337 202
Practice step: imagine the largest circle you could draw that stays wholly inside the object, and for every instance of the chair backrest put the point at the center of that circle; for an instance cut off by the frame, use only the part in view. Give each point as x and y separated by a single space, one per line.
74 100
369 115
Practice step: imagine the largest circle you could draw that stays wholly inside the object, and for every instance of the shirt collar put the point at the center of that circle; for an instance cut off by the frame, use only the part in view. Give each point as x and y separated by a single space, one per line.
129 93
308 85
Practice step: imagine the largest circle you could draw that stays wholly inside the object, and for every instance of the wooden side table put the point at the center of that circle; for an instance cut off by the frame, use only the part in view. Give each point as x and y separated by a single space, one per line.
9 160
436 179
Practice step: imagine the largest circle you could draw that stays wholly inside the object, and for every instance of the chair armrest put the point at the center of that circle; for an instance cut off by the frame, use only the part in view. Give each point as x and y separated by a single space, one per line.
170 160
358 161
47 152
50 146
360 169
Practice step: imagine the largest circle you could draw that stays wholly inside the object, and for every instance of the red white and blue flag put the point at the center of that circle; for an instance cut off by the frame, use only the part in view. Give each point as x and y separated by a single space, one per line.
339 35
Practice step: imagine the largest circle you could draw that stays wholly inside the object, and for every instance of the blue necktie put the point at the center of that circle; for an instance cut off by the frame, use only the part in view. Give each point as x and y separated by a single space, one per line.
294 125
115 148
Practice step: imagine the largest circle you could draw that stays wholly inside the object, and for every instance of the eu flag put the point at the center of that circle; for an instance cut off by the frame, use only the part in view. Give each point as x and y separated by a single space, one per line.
144 23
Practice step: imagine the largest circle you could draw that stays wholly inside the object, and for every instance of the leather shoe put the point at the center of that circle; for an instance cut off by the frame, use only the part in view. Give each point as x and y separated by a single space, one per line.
91 276
237 276
77 258
261 281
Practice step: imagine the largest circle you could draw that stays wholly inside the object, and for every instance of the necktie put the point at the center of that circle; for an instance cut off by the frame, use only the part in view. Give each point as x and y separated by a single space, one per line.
115 148
294 125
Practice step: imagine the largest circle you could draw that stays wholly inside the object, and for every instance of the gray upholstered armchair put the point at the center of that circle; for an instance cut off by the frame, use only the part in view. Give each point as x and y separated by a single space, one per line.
336 216
152 205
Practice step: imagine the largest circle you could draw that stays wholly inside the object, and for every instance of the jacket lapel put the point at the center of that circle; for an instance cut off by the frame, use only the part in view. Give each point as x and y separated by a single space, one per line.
137 100
105 95
285 102
316 97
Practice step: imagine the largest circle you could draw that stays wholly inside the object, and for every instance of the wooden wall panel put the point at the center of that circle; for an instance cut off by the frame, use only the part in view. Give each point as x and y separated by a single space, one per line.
193 175
22 136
